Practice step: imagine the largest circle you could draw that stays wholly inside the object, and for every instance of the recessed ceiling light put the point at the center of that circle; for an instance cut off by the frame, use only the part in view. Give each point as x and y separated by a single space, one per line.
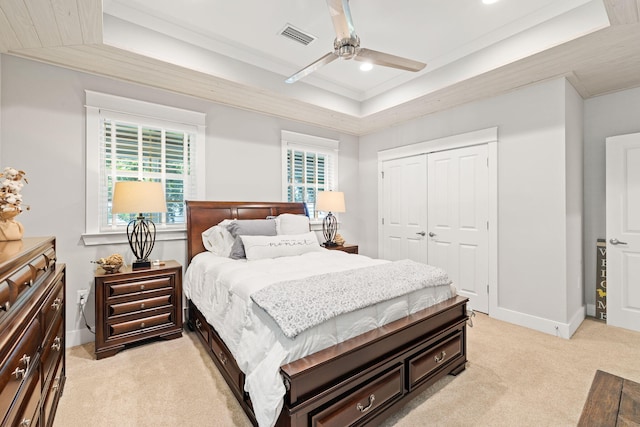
366 66
489 1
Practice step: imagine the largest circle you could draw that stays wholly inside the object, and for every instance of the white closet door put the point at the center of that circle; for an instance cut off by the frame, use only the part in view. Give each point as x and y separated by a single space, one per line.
458 192
404 192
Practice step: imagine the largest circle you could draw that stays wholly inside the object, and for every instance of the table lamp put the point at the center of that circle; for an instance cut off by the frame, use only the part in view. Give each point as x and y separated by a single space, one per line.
330 201
139 197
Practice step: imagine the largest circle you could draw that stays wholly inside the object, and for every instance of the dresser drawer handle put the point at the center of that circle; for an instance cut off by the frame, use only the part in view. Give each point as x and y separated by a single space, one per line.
25 361
25 423
6 306
56 344
361 408
198 324
19 373
141 306
142 287
223 358
56 384
440 357
142 325
56 303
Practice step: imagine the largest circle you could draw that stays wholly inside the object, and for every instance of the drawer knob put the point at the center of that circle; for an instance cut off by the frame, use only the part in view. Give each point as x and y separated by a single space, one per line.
440 357
56 344
198 324
142 287
361 408
6 306
142 325
25 423
19 373
223 358
142 306
56 303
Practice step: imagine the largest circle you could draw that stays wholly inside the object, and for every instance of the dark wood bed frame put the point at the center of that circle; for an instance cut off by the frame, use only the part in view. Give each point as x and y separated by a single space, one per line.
360 381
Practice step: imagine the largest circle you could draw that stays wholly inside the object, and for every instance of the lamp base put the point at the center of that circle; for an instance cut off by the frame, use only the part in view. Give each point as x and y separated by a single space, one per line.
329 244
140 265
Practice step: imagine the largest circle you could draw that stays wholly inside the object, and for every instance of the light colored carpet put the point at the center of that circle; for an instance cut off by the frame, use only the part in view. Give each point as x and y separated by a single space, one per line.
515 377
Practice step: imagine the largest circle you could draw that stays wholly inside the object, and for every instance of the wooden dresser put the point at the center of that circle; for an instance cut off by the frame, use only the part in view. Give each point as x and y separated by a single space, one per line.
32 325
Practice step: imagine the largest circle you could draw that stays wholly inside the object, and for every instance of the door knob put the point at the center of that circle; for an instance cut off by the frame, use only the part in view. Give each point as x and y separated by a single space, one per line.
432 234
616 242
422 233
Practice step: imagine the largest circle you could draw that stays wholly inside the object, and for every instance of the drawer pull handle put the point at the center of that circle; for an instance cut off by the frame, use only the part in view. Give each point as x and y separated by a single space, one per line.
141 306
25 361
223 358
25 423
361 408
56 344
56 303
142 325
198 324
439 358
19 373
56 385
142 287
6 306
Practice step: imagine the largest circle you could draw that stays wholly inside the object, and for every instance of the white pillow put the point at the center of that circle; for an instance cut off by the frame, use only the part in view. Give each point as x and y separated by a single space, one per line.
261 247
218 239
292 224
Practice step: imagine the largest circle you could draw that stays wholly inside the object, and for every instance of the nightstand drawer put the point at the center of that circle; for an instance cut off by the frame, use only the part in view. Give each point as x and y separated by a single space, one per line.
119 288
139 324
139 305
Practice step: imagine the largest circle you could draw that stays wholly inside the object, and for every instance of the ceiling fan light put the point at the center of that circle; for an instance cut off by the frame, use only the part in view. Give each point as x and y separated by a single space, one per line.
366 66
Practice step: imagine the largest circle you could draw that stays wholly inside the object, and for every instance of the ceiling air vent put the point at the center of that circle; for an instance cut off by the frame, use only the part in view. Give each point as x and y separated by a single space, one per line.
295 34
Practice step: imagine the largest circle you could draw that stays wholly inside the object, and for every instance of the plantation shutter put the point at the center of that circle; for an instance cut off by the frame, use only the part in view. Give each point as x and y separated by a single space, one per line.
150 151
310 168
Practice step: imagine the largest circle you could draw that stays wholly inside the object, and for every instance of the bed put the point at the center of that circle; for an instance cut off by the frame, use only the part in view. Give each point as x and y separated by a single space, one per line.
361 380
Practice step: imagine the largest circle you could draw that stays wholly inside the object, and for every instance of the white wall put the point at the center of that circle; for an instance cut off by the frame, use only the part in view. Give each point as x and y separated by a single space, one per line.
532 234
604 116
43 133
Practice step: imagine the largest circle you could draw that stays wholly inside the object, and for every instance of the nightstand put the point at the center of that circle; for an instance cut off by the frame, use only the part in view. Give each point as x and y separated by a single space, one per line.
351 249
134 305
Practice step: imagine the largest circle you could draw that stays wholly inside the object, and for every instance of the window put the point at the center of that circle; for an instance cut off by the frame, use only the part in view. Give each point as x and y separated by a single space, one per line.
130 140
310 164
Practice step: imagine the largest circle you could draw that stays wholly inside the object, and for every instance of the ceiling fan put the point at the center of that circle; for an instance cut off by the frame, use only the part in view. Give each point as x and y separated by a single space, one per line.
347 46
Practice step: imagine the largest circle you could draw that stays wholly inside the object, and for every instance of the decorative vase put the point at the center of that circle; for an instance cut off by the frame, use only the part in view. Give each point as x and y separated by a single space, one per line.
10 229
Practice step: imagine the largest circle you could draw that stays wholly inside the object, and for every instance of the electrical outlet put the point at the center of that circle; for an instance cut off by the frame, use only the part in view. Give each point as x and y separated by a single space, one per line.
83 294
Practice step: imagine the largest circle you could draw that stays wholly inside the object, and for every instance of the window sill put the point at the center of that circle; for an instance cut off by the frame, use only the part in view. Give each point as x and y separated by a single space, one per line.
117 237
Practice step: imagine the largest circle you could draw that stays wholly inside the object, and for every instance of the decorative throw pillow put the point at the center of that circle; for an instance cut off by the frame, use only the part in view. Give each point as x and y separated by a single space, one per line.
261 247
292 224
217 239
249 227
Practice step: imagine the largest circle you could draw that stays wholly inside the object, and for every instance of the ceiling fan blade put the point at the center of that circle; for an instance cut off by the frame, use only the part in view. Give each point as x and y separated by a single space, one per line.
341 16
387 60
312 67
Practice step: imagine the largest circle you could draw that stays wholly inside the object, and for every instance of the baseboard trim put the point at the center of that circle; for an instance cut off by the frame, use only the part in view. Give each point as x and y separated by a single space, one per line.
551 327
78 337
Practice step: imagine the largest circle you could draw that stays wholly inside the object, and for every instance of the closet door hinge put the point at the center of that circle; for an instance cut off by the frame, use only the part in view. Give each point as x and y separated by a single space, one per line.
382 173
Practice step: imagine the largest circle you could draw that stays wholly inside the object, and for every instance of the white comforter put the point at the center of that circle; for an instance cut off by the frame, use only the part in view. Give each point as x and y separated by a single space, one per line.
221 288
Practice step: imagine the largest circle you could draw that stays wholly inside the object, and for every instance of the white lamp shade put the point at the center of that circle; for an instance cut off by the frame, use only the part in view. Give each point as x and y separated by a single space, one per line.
138 197
330 201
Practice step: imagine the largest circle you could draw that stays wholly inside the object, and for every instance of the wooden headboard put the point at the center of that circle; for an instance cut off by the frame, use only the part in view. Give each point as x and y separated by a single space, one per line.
203 215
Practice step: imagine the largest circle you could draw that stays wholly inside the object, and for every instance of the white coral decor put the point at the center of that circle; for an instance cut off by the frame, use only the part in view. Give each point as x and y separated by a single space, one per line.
10 197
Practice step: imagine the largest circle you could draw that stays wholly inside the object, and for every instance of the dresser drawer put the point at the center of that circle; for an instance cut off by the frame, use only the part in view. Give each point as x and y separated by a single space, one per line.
426 363
140 325
363 401
227 361
26 410
52 395
139 305
18 365
115 289
53 305
52 349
